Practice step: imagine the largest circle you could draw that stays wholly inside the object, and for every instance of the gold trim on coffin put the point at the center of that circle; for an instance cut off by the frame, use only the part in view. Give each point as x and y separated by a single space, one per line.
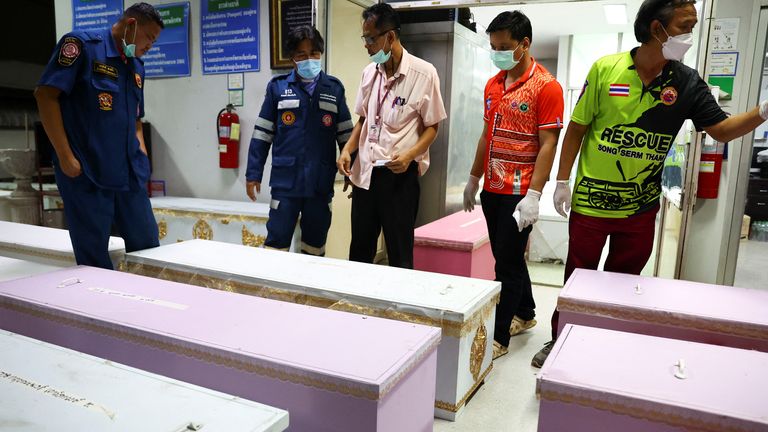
477 352
669 319
220 359
202 230
66 258
445 406
658 416
450 328
162 229
208 216
251 239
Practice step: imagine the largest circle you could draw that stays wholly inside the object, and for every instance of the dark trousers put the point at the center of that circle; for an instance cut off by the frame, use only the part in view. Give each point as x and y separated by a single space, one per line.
315 222
390 204
508 246
91 211
631 245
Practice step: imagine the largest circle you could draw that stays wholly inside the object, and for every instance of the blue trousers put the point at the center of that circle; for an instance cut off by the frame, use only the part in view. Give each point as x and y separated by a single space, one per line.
315 222
91 211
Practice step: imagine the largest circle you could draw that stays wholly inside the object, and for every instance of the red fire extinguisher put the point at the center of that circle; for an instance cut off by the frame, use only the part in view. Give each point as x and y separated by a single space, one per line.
228 129
710 165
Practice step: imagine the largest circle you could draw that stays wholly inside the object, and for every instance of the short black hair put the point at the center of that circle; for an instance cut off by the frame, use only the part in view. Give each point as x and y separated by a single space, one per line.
385 18
298 34
651 10
144 13
516 23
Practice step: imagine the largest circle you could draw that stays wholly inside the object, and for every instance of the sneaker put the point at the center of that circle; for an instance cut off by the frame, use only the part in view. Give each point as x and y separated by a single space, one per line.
541 356
518 325
499 350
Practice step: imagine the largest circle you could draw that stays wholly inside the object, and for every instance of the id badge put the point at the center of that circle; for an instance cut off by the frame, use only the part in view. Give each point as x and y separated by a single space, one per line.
374 130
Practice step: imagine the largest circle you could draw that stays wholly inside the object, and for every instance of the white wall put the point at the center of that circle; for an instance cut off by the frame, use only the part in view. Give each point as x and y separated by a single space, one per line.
704 256
183 112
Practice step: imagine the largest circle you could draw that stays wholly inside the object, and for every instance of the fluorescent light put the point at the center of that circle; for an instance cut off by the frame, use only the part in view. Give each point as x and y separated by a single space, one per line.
615 13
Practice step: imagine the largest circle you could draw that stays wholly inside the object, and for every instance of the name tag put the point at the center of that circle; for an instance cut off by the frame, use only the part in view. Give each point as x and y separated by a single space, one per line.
105 69
288 103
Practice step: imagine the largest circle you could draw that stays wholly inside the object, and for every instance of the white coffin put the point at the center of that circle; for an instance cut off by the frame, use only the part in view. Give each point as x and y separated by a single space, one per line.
45 245
464 308
12 268
237 222
604 380
47 387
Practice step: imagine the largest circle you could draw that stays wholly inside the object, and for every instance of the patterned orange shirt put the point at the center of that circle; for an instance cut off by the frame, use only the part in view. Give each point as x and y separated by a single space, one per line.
514 117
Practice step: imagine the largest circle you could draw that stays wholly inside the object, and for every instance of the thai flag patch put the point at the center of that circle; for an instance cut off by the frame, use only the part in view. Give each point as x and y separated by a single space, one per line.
619 90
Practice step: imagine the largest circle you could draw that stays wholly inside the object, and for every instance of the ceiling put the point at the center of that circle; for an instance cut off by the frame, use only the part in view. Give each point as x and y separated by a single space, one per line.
551 20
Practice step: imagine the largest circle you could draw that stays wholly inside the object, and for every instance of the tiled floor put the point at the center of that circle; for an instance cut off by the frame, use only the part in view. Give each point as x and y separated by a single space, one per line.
751 265
507 401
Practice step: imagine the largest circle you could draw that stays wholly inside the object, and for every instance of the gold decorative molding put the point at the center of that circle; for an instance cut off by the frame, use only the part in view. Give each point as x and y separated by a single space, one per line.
162 229
251 239
208 215
202 230
457 406
224 221
69 259
477 352
693 422
450 328
669 319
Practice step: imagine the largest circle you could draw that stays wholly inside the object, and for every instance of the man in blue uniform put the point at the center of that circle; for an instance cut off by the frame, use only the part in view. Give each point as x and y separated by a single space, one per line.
305 118
91 100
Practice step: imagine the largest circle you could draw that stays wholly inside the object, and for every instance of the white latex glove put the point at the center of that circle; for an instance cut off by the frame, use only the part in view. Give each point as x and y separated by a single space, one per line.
470 192
528 208
562 198
764 109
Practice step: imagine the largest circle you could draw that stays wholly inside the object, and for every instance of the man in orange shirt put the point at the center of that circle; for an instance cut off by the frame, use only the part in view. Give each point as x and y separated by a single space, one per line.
523 118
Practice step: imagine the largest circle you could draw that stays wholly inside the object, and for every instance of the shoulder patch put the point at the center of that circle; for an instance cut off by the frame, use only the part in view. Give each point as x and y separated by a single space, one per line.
70 50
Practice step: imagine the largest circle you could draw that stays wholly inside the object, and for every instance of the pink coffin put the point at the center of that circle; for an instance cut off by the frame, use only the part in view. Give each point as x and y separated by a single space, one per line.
605 380
714 314
457 244
333 371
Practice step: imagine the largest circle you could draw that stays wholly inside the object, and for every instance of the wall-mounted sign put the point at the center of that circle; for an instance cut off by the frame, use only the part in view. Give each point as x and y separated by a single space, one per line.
229 36
95 14
169 55
284 16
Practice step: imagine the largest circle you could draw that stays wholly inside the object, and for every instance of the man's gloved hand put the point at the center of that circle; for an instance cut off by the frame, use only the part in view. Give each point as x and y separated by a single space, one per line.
528 208
562 198
470 192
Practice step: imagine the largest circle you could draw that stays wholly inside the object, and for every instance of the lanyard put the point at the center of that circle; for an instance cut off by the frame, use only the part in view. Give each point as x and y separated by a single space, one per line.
379 100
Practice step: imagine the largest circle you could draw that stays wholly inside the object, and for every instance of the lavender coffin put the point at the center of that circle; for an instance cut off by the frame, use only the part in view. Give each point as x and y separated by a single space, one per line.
714 314
331 370
605 380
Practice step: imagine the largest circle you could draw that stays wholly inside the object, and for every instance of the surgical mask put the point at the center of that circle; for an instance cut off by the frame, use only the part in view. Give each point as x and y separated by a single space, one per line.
381 57
309 69
129 49
676 47
505 60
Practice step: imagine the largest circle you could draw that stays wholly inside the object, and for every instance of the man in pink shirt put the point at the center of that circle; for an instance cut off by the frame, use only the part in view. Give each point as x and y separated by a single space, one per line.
400 107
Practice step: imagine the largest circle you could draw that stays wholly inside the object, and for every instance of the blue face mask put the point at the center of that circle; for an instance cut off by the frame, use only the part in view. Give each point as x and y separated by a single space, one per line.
309 69
505 60
129 49
380 57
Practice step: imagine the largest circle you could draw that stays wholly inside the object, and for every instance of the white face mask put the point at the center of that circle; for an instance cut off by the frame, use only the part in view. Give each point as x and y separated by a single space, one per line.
676 47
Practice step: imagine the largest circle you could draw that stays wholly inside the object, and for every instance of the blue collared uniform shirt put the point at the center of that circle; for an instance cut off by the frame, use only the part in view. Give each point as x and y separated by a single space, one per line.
304 131
102 98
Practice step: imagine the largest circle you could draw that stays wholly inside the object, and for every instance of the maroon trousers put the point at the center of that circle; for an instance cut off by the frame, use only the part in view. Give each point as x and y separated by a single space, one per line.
631 245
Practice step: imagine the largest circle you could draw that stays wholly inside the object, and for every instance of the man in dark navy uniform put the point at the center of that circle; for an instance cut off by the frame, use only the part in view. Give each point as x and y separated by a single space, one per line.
304 118
91 100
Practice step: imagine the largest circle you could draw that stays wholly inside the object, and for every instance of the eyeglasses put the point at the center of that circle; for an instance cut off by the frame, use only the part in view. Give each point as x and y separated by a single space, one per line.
370 40
304 56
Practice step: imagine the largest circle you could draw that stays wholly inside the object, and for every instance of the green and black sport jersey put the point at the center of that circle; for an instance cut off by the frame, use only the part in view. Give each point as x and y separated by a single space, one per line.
630 130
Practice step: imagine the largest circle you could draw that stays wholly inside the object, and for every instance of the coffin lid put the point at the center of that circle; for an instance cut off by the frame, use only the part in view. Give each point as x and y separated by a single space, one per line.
309 346
80 392
12 268
439 297
177 206
22 240
632 374
460 231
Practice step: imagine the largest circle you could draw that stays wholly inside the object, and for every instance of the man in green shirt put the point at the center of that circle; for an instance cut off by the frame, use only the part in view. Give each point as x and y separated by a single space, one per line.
630 110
